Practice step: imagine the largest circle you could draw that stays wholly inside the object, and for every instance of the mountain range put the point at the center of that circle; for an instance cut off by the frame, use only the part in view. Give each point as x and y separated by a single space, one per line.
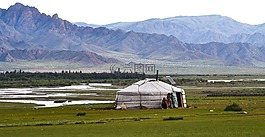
197 29
27 34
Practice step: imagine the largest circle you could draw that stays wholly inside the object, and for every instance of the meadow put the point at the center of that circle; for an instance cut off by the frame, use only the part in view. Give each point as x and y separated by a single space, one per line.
204 117
164 66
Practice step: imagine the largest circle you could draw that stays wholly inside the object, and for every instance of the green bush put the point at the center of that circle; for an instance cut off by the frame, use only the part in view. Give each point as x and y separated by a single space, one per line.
233 107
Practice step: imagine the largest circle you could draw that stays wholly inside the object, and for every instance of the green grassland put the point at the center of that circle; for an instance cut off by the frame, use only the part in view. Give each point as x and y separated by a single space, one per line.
164 67
102 120
204 117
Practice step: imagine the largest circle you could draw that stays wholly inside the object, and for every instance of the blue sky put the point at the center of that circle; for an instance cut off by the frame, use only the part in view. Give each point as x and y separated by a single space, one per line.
110 11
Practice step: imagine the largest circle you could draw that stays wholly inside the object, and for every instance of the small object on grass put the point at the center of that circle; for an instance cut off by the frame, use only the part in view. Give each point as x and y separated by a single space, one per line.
123 106
244 112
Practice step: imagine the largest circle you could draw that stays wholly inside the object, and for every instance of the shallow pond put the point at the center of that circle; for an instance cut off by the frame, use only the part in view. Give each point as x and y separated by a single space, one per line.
49 97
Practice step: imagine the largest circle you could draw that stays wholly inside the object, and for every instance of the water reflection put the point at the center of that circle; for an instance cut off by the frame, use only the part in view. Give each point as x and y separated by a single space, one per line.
42 104
46 97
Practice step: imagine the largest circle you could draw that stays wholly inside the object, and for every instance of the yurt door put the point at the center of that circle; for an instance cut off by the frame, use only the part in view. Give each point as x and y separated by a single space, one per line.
179 99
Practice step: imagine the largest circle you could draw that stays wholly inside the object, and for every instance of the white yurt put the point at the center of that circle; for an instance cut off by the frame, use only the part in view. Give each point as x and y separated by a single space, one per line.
149 93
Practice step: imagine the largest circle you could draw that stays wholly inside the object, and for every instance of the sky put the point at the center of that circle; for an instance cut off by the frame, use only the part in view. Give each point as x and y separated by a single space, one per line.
110 11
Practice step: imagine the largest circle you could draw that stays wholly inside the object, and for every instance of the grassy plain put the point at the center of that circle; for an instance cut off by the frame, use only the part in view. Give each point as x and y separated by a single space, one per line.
164 67
101 120
23 120
205 117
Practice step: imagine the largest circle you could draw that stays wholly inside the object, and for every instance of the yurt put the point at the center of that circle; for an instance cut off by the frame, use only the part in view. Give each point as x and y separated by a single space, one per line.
149 93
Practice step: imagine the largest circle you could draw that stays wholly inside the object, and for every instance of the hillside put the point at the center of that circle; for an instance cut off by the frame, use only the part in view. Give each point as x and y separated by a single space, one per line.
24 29
199 29
84 57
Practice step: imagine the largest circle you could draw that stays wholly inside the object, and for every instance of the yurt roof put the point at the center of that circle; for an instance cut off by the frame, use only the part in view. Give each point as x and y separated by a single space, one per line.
151 85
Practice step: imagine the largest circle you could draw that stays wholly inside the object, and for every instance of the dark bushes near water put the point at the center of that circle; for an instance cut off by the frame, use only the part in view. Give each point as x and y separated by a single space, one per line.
233 107
53 79
14 76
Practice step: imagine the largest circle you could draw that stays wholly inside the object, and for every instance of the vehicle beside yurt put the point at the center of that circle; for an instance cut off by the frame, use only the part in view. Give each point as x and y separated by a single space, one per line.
149 93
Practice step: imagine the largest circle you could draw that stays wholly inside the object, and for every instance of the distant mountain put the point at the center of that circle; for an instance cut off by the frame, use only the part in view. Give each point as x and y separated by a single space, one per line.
5 56
83 57
198 29
28 34
39 31
83 24
237 54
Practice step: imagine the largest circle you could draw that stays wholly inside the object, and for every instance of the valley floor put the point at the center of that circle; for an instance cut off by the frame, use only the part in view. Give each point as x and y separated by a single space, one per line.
164 67
205 117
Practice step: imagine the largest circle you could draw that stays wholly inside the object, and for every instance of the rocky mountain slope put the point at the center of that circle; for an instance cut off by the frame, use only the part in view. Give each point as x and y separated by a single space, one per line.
198 29
24 29
84 57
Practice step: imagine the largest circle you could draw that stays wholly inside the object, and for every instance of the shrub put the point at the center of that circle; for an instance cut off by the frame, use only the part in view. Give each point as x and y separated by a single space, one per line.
173 118
81 114
80 122
233 107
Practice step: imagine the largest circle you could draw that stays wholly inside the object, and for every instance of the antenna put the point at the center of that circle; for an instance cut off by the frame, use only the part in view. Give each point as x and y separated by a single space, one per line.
156 75
171 80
